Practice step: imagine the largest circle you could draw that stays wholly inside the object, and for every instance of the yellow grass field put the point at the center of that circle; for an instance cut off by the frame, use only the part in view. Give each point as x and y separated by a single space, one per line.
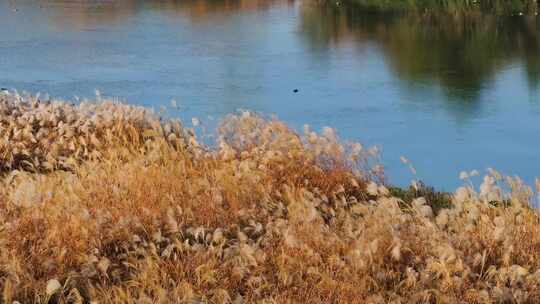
108 203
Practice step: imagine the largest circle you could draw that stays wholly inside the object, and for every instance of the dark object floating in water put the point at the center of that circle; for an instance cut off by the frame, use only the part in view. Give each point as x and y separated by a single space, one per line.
295 90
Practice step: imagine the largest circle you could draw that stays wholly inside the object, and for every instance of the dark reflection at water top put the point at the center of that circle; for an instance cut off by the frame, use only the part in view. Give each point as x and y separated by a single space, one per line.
460 52
80 15
495 7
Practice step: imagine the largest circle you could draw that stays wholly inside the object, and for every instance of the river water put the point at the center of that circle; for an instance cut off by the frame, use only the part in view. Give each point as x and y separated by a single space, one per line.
450 93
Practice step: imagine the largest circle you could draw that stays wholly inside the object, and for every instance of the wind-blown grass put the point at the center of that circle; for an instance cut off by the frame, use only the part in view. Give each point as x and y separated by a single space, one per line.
267 216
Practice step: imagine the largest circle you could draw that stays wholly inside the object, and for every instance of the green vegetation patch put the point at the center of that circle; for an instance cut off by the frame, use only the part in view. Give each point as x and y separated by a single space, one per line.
503 7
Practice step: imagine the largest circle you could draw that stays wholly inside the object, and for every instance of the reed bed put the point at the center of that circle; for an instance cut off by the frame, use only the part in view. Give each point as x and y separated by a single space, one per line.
267 215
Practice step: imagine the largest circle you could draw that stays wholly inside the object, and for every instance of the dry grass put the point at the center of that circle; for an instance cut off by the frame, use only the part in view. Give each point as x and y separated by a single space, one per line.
267 216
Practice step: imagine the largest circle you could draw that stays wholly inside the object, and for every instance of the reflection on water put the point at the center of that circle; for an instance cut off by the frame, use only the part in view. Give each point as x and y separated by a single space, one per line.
203 10
85 14
497 7
461 53
450 91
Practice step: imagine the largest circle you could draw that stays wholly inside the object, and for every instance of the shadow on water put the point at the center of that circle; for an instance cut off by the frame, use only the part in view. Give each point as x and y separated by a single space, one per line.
462 53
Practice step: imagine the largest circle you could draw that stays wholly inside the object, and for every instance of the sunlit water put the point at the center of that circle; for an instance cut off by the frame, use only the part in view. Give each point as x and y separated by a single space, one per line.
450 95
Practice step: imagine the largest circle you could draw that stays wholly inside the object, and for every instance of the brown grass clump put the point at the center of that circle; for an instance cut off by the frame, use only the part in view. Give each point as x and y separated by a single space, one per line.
267 216
46 135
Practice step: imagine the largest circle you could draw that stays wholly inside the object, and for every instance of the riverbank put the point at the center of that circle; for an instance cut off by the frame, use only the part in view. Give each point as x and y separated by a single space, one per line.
111 203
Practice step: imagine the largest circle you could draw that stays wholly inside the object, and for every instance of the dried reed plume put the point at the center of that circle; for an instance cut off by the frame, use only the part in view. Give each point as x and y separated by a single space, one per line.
107 203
